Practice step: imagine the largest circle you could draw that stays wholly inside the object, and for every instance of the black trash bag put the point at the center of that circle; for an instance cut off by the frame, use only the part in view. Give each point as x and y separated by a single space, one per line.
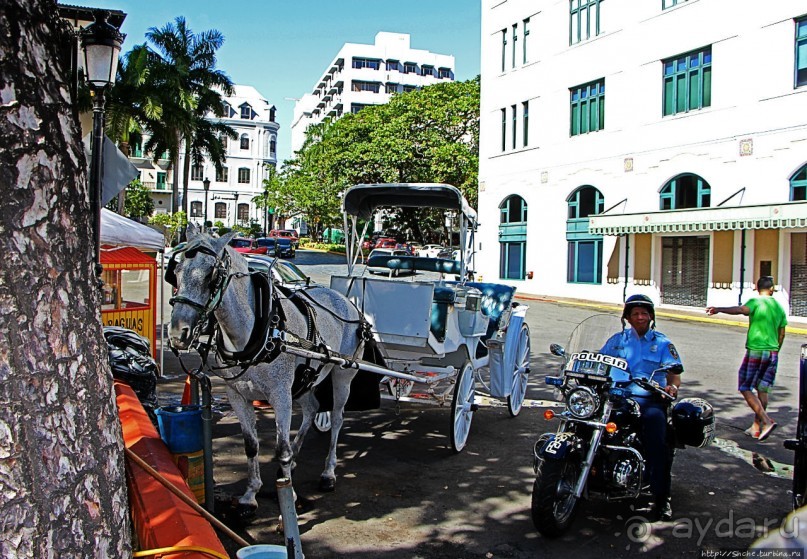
131 362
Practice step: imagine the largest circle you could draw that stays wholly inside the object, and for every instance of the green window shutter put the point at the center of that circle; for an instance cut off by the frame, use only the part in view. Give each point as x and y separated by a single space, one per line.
707 87
694 90
575 120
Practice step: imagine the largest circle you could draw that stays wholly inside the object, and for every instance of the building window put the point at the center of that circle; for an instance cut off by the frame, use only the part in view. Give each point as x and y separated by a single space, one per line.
513 125
222 175
512 238
504 49
685 191
670 3
243 213
196 209
798 185
161 180
408 88
515 42
246 111
220 210
688 82
584 20
272 112
410 68
371 63
525 122
227 109
356 107
391 88
801 51
373 87
584 253
244 141
444 73
225 143
243 175
272 146
525 26
197 172
504 129
393 66
136 149
426 70
587 108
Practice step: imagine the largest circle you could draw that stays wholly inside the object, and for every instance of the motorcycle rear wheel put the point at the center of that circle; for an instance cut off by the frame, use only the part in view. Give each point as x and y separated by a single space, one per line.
553 501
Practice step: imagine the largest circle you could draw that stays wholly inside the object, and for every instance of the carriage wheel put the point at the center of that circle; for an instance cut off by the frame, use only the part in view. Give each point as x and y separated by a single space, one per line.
322 422
521 371
462 407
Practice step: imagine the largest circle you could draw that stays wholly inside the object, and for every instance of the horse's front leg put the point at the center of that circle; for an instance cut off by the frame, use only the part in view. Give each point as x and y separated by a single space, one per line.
282 405
246 416
341 391
309 404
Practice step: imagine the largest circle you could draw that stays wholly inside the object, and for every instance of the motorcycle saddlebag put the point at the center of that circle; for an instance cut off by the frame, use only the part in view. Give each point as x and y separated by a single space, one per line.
693 421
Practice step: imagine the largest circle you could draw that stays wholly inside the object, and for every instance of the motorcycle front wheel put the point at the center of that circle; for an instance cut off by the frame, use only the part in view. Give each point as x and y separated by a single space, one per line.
553 501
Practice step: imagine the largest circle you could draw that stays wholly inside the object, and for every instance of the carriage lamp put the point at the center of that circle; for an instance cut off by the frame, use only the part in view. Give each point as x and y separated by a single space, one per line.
100 43
549 414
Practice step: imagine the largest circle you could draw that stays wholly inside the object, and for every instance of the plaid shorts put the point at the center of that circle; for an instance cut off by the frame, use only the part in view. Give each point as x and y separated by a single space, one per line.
758 370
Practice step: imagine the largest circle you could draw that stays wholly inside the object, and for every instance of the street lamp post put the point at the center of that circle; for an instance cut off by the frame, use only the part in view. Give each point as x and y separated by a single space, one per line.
101 43
206 184
235 213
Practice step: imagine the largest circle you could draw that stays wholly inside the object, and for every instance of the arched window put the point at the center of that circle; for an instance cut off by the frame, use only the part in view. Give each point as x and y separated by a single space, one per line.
243 213
512 238
584 252
196 209
272 146
798 185
220 210
685 191
244 141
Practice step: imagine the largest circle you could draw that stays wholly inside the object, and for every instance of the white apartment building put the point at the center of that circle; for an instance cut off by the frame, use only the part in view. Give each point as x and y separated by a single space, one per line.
645 146
362 75
249 158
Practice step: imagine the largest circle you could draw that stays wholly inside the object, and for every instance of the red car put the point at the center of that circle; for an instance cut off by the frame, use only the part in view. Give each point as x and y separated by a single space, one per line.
386 242
247 246
290 234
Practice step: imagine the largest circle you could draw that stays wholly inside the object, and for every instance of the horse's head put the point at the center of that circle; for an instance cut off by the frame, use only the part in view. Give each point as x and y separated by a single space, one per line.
196 272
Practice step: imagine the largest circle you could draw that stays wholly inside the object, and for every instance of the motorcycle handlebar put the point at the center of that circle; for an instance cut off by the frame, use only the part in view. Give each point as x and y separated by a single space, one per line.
653 387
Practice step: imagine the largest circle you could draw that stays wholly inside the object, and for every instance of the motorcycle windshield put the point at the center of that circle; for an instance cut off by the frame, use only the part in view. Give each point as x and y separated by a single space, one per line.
588 338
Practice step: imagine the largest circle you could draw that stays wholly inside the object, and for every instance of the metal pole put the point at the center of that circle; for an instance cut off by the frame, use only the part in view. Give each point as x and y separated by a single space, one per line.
96 171
291 530
207 438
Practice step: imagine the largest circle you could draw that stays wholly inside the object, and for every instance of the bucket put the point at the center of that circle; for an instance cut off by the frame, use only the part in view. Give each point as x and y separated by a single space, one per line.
181 428
192 467
263 551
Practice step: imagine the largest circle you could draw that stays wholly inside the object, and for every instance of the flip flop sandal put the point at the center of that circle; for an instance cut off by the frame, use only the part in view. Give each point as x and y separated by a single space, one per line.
767 431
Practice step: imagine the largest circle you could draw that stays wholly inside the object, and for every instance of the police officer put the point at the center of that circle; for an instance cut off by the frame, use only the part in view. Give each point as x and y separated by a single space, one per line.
646 350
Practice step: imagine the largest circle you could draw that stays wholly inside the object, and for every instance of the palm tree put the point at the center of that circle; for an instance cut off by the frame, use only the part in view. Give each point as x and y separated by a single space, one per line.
191 87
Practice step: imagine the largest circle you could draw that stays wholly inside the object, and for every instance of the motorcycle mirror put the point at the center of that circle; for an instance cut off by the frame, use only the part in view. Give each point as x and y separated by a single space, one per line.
557 349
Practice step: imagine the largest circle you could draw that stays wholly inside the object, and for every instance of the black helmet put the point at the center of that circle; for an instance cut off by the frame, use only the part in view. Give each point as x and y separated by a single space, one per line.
639 301
693 420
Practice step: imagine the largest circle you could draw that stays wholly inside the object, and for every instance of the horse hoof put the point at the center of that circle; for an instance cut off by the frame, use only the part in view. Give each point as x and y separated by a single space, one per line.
327 484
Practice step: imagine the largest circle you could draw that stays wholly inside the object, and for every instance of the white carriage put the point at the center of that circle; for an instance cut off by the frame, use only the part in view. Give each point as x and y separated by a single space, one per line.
437 329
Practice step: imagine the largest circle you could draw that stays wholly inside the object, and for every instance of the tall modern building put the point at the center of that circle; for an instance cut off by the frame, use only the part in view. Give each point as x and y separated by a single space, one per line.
645 146
249 158
362 75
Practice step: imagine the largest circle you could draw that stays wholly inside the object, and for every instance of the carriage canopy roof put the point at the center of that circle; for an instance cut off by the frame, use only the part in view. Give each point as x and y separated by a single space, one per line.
363 199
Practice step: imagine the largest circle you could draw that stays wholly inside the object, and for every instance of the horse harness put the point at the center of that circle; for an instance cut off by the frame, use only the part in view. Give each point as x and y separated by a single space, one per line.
269 335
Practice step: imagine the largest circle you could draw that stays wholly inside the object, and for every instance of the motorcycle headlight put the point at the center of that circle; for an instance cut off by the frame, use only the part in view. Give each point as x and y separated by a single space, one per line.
582 402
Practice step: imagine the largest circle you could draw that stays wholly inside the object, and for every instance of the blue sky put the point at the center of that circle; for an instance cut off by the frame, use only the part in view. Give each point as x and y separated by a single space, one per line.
281 47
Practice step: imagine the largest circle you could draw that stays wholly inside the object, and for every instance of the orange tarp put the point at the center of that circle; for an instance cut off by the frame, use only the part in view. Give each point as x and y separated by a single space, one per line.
160 518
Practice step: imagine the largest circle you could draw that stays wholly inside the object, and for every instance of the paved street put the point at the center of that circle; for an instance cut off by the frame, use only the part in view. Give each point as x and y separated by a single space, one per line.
402 493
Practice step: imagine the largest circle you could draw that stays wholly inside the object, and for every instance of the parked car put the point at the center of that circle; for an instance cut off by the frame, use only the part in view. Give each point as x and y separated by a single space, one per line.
285 273
449 253
166 256
384 270
429 251
246 246
277 246
290 234
386 242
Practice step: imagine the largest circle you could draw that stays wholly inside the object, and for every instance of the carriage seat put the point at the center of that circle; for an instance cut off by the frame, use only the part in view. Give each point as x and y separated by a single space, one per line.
414 263
496 298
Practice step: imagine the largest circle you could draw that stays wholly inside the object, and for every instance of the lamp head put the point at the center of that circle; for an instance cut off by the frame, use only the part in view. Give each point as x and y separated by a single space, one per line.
101 43
206 184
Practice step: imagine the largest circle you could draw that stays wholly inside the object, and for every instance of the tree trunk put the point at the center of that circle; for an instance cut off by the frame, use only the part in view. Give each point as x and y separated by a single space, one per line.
62 481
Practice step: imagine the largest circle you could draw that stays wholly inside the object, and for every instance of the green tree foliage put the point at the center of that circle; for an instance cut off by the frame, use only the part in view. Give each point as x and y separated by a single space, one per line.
172 224
138 202
428 135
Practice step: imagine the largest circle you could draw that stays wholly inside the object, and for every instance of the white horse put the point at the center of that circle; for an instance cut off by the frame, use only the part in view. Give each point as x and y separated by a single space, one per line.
215 287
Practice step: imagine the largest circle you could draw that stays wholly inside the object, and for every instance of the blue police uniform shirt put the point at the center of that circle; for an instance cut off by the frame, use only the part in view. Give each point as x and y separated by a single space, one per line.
644 355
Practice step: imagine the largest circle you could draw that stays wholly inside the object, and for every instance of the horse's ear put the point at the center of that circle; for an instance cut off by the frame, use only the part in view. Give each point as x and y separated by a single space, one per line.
192 231
222 241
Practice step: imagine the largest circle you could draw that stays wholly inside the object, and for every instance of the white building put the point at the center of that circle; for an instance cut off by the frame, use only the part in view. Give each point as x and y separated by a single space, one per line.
363 75
249 159
660 146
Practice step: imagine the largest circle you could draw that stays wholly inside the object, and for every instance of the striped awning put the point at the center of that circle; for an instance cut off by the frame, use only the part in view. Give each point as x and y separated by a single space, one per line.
771 216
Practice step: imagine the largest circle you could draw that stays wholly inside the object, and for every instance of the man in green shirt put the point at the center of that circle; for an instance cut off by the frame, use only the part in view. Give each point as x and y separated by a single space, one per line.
766 332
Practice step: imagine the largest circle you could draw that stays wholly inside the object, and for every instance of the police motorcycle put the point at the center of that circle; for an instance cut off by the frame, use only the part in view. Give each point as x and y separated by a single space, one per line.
596 451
